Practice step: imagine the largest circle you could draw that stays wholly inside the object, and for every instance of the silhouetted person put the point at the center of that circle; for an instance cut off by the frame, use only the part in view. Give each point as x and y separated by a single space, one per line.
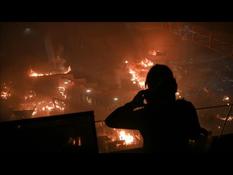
165 123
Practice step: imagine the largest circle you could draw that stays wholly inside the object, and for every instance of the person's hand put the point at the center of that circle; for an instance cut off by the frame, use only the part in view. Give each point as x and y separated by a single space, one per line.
138 100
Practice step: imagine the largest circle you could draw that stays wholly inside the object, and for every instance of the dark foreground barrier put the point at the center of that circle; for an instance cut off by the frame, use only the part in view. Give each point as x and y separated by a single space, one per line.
69 132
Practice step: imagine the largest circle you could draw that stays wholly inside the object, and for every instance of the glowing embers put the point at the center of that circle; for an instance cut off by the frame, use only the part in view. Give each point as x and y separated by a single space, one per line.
77 142
31 95
42 105
62 91
126 137
63 86
88 91
115 99
47 106
6 91
226 99
146 63
178 95
32 73
138 71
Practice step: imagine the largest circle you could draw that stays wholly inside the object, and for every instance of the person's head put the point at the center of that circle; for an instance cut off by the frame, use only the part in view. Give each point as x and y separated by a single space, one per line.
160 83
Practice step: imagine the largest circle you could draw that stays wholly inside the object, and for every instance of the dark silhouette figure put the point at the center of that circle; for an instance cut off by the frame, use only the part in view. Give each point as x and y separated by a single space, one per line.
165 123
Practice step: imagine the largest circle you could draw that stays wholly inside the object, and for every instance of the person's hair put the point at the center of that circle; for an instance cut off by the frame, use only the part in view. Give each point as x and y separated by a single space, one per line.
161 79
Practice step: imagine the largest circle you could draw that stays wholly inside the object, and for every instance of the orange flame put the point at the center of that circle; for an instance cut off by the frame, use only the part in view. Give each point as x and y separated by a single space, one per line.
126 137
32 73
6 92
45 107
138 71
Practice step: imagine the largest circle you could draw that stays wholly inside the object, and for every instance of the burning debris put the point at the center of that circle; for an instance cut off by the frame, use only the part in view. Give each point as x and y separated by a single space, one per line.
226 99
46 105
36 74
112 139
138 71
126 137
52 100
178 94
6 91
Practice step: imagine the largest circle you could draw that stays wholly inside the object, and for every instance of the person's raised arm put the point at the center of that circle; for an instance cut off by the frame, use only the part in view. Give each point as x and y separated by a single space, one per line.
124 116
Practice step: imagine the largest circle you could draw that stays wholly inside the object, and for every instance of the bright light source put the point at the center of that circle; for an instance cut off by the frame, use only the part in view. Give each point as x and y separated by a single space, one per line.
88 91
226 98
178 95
115 98
126 62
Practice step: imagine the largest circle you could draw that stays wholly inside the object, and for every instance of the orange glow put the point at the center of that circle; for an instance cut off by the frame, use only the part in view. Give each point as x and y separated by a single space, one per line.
46 107
30 95
138 71
63 86
126 137
226 99
6 92
43 106
32 73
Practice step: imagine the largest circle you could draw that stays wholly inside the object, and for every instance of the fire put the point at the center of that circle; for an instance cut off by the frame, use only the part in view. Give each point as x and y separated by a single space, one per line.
138 71
30 95
5 95
42 105
62 90
63 86
32 73
226 99
126 137
178 95
46 107
146 63
6 92
67 71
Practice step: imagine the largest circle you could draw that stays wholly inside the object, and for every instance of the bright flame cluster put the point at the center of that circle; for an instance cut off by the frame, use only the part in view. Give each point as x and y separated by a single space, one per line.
63 86
6 92
226 99
126 137
32 73
45 107
138 71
